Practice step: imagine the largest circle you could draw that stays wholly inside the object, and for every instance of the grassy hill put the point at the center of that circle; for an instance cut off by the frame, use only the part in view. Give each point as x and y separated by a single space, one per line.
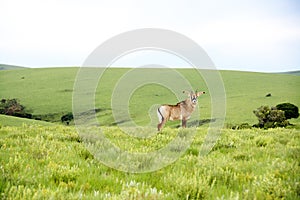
40 160
16 121
48 92
296 73
10 67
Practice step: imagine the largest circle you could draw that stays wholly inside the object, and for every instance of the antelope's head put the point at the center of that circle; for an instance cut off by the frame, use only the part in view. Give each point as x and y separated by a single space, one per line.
194 96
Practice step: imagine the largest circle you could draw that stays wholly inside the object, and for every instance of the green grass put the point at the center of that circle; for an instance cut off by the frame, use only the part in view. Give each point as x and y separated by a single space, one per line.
16 121
38 162
246 91
48 92
43 91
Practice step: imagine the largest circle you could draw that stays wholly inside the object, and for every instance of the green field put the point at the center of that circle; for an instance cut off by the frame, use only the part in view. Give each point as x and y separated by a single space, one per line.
42 160
16 121
48 92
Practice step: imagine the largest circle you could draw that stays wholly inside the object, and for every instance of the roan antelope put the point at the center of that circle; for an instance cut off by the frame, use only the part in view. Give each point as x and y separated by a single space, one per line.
181 111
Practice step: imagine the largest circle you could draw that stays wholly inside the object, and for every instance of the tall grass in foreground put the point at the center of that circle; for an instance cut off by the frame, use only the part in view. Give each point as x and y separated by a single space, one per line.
39 162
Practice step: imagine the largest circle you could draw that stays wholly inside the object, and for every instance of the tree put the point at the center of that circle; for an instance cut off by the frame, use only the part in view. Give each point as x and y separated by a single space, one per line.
290 110
270 117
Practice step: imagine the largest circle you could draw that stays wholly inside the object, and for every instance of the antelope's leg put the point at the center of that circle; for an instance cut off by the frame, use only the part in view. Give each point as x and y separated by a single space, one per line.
184 123
161 125
162 120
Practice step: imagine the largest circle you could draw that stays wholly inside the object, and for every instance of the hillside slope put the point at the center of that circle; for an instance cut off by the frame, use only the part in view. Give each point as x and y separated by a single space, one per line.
16 121
48 91
10 67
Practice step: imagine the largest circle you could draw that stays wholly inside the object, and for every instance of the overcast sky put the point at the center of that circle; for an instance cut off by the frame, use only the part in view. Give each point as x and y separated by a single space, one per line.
251 35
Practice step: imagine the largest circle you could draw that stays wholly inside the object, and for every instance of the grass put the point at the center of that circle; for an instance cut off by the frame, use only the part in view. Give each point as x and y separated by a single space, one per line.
246 92
16 121
40 160
48 92
43 162
43 91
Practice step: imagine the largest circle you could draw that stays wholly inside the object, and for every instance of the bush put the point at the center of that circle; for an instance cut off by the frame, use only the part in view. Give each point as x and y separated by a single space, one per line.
270 117
238 126
67 118
10 106
14 108
290 110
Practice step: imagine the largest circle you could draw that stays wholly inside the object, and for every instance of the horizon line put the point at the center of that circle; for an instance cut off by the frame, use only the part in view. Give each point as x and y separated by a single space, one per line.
157 67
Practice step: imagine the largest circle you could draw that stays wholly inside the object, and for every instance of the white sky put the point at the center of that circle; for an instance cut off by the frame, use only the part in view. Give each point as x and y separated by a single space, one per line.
252 35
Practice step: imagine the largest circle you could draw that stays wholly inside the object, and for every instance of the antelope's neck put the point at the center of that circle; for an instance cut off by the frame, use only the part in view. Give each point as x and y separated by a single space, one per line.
189 104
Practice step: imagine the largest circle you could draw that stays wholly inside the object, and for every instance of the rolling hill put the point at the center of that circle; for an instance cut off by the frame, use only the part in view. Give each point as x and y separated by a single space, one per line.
296 73
10 67
40 160
47 92
6 120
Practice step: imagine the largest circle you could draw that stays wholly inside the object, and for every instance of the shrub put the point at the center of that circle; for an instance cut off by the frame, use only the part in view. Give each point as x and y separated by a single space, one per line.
270 117
10 106
290 110
14 108
67 118
268 95
239 126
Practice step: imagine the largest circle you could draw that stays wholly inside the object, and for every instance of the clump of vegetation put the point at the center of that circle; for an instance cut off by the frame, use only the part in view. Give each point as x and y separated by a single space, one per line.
270 117
14 108
238 126
290 110
268 95
67 118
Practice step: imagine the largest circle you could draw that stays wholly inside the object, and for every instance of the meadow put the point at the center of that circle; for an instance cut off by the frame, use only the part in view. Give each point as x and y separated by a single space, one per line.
43 160
51 162
48 93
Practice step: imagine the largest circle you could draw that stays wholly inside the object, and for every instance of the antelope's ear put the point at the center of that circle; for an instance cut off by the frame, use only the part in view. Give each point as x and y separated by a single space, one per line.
200 93
186 92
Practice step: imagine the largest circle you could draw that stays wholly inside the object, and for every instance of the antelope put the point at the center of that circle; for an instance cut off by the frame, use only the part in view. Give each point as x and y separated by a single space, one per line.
181 111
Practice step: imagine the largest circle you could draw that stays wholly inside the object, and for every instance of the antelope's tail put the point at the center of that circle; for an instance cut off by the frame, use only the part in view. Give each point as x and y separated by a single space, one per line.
159 115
